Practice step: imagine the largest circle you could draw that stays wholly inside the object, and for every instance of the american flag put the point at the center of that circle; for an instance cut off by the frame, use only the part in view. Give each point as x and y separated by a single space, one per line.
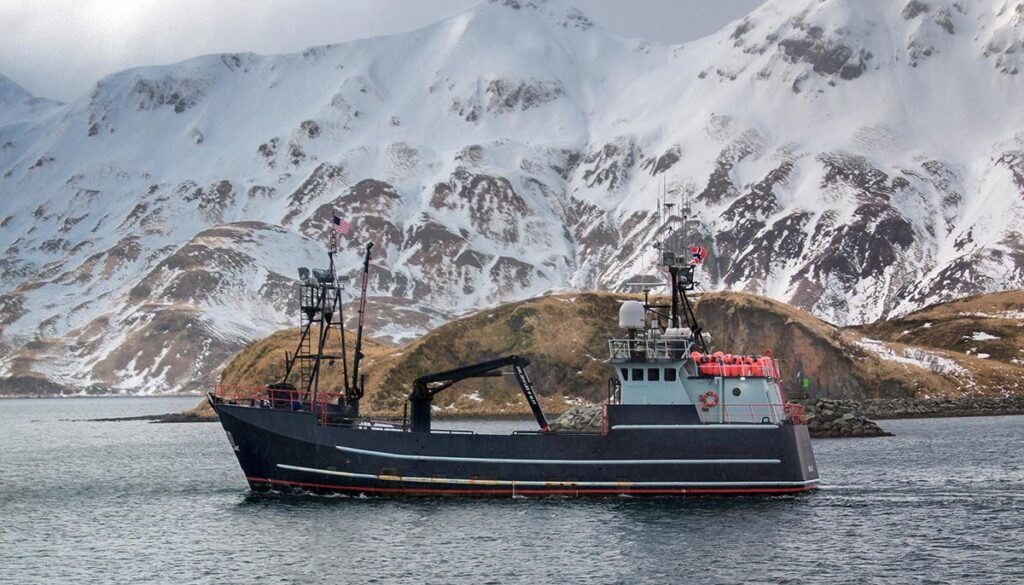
340 226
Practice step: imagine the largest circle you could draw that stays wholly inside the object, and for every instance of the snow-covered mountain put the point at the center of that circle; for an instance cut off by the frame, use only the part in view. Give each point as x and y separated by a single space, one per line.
857 158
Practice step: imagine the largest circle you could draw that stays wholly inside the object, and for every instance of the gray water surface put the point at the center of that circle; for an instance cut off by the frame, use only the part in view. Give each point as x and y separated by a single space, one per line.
134 502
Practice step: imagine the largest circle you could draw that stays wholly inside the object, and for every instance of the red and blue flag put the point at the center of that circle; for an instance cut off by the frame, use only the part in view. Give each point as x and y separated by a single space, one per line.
699 253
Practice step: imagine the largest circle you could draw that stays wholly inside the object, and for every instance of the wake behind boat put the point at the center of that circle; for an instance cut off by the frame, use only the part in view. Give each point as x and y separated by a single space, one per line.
679 419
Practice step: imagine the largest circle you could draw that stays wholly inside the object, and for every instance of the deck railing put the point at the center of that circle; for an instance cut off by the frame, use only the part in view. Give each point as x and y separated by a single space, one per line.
754 413
743 413
797 413
648 348
296 400
667 348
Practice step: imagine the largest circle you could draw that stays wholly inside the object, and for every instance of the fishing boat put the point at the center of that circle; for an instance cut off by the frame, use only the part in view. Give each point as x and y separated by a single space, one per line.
680 419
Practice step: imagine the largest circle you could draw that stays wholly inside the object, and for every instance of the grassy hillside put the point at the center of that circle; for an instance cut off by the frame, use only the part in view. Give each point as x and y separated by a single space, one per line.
989 325
564 336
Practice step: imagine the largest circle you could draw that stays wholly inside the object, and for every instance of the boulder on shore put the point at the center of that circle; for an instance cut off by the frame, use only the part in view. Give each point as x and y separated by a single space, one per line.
588 418
840 418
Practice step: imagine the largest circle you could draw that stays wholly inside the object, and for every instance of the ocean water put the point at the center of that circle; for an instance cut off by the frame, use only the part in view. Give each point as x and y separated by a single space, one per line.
134 502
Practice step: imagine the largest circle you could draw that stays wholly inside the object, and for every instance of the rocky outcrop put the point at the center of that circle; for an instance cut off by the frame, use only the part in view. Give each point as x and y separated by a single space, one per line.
838 418
588 418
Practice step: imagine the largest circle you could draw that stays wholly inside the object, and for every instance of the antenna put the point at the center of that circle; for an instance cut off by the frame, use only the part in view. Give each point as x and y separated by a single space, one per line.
659 203
684 198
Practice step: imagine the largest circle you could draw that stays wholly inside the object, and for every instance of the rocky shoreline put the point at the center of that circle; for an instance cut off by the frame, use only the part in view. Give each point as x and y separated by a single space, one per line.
887 408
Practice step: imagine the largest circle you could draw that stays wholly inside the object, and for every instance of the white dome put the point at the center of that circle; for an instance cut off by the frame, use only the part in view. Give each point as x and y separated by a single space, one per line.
631 315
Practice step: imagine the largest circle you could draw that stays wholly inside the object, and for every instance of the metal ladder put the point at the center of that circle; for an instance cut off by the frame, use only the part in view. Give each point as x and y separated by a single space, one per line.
308 299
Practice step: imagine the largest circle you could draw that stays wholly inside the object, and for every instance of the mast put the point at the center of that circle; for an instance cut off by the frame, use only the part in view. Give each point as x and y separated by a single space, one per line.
681 279
344 351
355 391
341 314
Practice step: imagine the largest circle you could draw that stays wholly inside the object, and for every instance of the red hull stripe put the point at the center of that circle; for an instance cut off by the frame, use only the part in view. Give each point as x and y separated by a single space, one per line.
534 491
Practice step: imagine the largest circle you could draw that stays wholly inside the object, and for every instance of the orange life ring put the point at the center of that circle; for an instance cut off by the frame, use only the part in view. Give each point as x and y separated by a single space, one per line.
709 399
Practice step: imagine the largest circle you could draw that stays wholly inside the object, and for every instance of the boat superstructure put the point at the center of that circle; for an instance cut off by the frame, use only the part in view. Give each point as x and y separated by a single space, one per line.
664 359
680 419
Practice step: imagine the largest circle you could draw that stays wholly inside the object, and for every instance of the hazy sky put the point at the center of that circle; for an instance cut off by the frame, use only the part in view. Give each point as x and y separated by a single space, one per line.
59 48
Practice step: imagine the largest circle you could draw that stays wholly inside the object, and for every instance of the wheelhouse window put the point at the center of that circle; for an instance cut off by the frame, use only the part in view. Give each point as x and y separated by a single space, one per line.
670 374
653 374
625 374
638 375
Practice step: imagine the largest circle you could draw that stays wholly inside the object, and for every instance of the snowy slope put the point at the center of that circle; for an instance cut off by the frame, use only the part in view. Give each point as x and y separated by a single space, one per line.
18 105
858 158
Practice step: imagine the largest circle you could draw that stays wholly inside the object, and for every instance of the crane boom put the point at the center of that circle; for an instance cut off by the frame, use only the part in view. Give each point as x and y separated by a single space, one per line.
426 387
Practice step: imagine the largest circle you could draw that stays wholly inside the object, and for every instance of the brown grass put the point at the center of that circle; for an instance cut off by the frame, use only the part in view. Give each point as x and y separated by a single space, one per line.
564 337
951 326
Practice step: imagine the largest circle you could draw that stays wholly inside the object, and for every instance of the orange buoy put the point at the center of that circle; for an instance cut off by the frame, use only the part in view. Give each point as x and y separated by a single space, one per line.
748 365
757 368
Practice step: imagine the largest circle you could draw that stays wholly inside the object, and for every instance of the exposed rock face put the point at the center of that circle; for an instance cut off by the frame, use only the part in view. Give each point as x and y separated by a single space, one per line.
802 141
826 56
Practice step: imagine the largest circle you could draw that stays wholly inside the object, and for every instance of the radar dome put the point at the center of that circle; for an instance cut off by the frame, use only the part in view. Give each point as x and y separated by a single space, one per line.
631 315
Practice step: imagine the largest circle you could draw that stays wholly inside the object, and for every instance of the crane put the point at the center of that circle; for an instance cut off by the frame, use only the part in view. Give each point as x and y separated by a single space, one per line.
426 387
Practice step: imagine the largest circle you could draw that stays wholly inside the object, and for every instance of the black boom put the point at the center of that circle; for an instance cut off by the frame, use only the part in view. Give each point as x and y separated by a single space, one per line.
426 387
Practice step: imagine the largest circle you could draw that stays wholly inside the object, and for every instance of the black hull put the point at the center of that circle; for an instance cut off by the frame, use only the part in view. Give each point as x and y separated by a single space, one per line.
284 450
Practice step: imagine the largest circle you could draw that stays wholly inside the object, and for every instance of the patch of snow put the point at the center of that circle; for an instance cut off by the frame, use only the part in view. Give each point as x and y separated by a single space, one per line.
913 357
935 363
981 336
998 315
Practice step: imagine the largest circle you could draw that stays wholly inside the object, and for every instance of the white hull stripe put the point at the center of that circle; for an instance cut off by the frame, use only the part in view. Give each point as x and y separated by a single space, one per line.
560 461
709 427
516 482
